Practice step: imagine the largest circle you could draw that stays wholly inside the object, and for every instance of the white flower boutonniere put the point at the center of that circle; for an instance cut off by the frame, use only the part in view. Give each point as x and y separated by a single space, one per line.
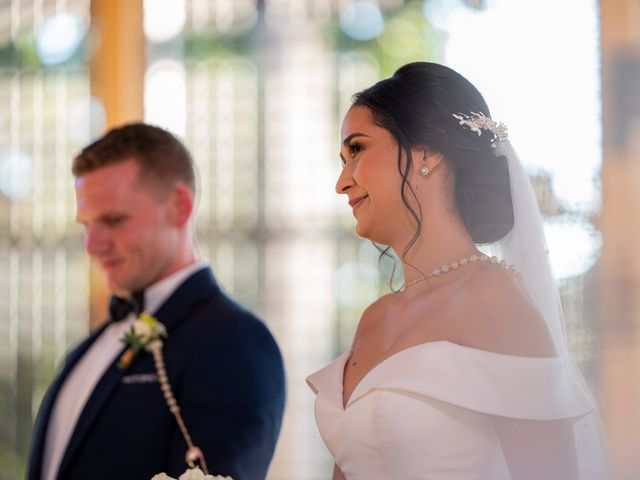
191 474
145 333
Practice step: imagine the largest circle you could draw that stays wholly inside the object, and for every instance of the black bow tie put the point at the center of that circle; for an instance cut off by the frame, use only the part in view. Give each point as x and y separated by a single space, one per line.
120 308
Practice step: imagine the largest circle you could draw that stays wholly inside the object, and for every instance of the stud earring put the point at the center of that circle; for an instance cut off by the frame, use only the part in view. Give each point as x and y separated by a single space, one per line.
424 171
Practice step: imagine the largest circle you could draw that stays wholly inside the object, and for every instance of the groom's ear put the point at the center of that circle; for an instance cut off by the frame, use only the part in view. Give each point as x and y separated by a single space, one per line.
181 204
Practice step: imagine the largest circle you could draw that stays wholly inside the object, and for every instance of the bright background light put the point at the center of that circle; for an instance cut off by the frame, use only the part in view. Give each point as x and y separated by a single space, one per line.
574 246
361 20
16 174
59 38
87 119
163 19
165 96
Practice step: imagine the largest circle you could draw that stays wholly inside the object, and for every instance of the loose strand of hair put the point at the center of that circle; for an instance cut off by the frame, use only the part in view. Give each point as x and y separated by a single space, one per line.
417 216
384 252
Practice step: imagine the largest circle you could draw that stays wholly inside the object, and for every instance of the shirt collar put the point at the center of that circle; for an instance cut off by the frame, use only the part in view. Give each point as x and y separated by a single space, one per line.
156 294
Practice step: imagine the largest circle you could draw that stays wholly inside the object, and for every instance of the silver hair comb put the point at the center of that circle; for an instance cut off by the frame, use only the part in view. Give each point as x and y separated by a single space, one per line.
478 122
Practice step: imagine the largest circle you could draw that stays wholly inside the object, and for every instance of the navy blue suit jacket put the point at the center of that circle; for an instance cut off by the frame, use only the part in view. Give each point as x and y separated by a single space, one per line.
227 376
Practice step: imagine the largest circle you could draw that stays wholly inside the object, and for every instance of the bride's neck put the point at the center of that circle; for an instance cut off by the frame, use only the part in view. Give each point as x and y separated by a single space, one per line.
439 246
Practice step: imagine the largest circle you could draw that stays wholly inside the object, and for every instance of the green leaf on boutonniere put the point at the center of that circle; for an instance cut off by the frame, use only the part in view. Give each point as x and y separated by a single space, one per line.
145 330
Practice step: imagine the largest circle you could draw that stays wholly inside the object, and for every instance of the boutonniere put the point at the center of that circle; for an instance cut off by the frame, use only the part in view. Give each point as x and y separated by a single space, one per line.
144 334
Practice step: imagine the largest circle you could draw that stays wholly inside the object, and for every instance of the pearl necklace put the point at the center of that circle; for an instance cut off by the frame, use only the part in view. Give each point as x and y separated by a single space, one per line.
461 262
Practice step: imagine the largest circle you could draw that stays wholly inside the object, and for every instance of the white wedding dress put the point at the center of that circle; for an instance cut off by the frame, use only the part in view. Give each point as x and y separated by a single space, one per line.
427 412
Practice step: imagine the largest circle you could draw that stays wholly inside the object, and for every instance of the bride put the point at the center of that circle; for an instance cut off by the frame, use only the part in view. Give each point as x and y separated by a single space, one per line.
463 373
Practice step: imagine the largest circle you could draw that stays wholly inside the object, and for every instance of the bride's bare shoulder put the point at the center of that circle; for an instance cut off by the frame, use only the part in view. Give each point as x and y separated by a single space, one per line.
494 312
375 312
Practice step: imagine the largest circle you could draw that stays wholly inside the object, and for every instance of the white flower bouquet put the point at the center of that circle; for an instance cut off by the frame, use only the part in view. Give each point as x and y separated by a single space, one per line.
191 474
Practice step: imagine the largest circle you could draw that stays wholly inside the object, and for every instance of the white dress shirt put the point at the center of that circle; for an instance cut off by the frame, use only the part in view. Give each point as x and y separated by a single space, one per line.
79 385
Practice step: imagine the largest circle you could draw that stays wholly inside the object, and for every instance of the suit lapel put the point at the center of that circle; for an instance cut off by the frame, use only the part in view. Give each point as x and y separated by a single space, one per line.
42 422
200 286
100 394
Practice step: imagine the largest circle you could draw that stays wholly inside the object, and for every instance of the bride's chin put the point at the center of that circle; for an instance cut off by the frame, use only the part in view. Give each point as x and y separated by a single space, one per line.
365 231
362 230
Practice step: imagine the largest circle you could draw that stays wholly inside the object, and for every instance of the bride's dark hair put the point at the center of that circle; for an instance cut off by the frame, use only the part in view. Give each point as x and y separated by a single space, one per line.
416 105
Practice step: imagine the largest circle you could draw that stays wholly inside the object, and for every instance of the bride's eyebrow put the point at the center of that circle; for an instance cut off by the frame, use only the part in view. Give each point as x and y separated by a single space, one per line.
346 141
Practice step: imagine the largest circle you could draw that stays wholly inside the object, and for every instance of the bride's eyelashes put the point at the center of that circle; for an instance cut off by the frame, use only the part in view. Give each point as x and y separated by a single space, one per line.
355 148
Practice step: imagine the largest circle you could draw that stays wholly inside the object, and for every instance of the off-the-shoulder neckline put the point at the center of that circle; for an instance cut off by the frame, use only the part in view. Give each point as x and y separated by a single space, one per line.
340 362
428 344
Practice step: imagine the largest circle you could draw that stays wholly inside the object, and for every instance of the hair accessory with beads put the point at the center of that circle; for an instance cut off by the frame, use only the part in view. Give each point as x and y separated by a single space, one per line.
478 122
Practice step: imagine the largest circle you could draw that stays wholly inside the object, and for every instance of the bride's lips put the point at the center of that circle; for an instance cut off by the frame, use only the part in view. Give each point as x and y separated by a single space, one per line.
355 203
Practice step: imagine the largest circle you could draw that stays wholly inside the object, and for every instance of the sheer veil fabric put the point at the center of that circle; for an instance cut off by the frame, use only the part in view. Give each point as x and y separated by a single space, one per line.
526 248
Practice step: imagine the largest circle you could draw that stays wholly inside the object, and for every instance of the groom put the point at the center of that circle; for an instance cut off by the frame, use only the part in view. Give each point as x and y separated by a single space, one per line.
135 190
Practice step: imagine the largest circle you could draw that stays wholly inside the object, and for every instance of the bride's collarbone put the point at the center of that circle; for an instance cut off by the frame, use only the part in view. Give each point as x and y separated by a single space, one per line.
394 312
383 332
397 321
